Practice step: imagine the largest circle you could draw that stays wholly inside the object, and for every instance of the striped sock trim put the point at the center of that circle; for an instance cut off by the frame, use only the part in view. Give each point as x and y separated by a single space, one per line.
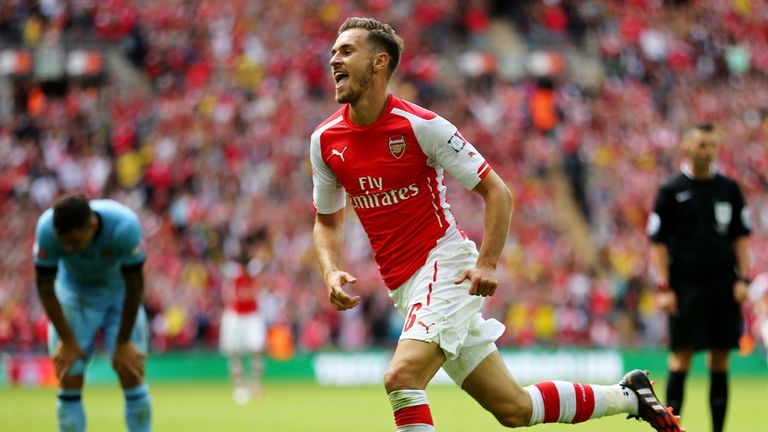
69 395
537 402
419 414
563 402
410 407
400 399
136 393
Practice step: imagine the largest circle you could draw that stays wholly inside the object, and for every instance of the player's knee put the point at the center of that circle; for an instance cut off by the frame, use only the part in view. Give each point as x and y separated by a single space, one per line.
514 413
514 419
398 377
71 382
129 380
680 361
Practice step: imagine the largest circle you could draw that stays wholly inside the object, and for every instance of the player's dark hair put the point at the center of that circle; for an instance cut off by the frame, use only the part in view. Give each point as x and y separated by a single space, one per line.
381 37
70 213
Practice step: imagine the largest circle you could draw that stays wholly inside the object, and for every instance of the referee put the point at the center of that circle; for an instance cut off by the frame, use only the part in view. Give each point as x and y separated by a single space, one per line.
699 228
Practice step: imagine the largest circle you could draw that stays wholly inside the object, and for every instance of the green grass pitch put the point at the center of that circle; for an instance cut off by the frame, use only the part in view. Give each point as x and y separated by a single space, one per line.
306 407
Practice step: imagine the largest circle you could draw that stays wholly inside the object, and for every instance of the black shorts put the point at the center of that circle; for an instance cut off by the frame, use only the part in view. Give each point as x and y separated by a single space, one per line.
707 316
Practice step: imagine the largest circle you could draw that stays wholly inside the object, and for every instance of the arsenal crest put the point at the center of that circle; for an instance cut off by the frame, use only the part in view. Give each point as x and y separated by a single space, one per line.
397 146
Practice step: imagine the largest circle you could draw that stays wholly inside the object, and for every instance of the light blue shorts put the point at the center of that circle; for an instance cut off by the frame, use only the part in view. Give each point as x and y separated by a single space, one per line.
85 323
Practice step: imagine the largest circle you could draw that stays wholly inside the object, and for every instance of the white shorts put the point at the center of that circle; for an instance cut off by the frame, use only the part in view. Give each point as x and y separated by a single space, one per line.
437 310
241 333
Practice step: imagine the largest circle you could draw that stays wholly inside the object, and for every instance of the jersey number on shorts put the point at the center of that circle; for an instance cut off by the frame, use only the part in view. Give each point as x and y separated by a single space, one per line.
411 320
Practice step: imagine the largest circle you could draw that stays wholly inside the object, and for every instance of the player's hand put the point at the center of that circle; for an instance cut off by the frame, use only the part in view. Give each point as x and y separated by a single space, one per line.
740 290
334 281
667 302
128 360
66 354
483 280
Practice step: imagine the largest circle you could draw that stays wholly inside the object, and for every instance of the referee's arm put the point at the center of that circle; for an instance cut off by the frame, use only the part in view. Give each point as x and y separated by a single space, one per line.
658 230
741 249
660 263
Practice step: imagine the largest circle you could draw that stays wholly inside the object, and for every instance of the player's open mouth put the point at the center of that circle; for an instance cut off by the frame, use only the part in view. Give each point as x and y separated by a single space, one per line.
341 78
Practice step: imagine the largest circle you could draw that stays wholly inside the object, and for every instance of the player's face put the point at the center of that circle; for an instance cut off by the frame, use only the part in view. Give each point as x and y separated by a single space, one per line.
78 240
351 65
702 149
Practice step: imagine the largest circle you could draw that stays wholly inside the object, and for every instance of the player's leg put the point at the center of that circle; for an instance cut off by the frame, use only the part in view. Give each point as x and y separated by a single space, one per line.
492 385
233 345
70 412
257 369
256 342
679 363
138 405
84 325
413 365
240 394
718 362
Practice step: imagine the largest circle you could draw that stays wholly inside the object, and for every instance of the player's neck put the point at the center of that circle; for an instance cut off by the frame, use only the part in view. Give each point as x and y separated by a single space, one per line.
702 174
369 108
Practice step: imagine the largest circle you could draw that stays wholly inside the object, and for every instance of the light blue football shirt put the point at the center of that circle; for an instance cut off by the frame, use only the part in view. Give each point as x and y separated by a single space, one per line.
92 277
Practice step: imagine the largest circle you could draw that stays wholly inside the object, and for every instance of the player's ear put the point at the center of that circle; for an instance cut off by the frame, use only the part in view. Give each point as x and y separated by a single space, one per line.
380 61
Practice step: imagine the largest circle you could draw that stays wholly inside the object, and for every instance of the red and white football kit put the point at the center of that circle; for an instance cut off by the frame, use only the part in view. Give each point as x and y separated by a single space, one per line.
243 329
393 172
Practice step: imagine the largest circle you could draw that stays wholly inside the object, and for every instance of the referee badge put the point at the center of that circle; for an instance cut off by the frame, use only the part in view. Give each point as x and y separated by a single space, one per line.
723 213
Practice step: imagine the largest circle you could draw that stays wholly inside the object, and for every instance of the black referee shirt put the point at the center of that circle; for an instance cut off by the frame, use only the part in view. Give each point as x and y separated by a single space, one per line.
698 220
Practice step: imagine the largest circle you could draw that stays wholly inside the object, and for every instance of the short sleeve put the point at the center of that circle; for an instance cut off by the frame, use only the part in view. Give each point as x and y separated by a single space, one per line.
327 193
444 145
741 225
659 222
47 250
131 246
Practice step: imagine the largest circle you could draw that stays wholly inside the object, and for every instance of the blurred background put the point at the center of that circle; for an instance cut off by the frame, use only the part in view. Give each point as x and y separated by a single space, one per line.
197 114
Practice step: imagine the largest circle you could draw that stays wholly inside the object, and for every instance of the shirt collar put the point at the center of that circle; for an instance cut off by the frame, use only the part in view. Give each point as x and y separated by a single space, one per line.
685 167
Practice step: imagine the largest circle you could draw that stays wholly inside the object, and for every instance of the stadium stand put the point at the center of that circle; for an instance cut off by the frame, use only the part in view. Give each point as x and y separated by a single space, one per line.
205 133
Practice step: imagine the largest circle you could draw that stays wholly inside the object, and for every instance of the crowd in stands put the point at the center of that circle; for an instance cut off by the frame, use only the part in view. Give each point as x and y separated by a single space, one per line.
213 153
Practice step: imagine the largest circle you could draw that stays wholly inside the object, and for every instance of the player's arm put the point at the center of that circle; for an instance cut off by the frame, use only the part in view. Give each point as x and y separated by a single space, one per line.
667 299
741 287
660 264
134 296
127 360
740 229
498 210
658 231
444 144
69 350
328 235
47 252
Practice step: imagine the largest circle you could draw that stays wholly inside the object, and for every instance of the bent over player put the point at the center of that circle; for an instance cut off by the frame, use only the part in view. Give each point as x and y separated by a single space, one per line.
88 266
390 157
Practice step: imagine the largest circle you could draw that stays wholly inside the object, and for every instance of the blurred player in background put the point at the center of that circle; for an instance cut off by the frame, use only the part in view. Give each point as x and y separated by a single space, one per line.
699 228
243 331
390 157
88 267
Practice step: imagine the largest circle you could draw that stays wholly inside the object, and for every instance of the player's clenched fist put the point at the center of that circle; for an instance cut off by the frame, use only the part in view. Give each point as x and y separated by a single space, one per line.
483 281
336 279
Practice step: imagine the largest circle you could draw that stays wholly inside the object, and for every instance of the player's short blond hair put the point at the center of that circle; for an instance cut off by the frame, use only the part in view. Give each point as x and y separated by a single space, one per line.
381 37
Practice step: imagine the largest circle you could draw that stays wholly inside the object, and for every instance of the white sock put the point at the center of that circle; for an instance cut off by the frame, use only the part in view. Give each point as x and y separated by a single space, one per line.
619 400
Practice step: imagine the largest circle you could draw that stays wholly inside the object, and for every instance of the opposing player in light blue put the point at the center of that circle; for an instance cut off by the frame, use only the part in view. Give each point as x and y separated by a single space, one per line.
88 267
